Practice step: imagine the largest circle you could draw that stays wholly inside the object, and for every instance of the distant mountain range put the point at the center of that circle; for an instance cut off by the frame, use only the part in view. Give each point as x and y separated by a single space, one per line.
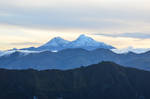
62 54
72 58
105 80
83 41
131 49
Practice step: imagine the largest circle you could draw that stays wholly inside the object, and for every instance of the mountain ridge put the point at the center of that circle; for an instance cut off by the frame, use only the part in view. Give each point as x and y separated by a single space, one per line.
105 80
73 58
59 43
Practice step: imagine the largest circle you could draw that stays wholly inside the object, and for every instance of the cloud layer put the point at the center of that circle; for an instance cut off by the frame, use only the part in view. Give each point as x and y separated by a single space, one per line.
95 15
22 20
127 35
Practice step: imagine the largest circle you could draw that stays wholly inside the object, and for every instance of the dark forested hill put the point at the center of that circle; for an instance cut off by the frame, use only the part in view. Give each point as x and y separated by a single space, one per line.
105 80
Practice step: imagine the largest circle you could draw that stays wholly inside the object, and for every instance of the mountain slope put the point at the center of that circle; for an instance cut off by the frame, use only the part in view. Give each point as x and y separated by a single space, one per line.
72 58
82 41
87 43
56 43
131 49
105 80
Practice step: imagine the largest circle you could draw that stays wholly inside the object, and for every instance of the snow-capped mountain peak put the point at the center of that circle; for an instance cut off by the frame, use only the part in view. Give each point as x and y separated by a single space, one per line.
57 41
84 41
84 37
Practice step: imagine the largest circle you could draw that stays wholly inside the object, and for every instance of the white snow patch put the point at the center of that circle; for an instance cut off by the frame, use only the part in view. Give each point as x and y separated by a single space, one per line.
22 52
131 49
55 51
57 41
5 53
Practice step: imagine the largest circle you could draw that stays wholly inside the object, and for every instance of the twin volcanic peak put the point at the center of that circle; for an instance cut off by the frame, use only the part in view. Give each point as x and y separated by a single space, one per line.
57 41
82 41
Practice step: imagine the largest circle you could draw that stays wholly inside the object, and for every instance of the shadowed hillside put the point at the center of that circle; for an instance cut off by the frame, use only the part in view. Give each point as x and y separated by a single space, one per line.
105 80
72 58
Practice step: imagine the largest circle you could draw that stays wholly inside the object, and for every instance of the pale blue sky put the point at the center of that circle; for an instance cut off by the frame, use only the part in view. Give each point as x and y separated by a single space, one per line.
25 23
